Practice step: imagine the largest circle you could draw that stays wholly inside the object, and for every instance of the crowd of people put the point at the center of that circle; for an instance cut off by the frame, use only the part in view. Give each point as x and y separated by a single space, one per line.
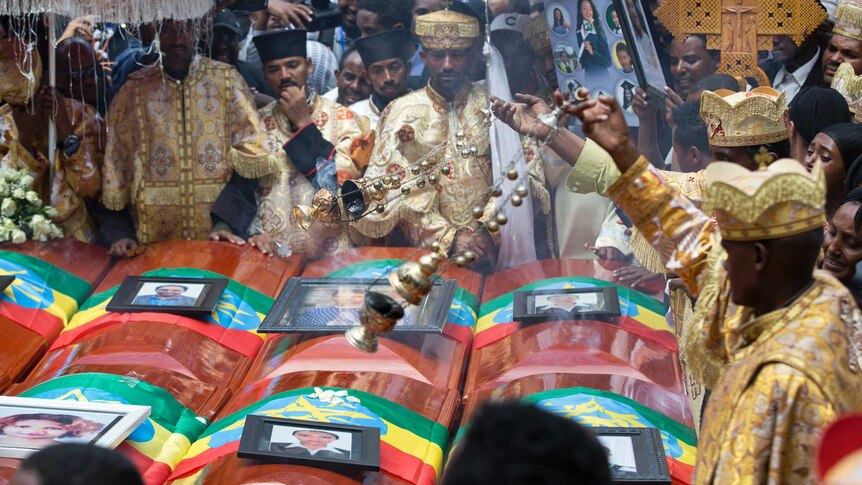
746 198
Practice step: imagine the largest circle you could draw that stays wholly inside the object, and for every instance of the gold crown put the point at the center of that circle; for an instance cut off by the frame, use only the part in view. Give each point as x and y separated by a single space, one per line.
778 201
446 29
848 19
20 71
848 84
744 119
536 33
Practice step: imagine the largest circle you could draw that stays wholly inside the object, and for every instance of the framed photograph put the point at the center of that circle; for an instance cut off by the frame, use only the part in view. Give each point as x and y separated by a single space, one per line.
180 296
28 425
331 305
310 443
566 304
5 281
636 455
638 52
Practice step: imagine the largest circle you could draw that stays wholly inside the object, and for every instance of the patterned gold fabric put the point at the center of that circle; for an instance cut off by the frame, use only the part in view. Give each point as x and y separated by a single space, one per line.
780 200
172 147
787 373
20 71
446 29
753 118
846 82
409 128
338 125
75 178
848 19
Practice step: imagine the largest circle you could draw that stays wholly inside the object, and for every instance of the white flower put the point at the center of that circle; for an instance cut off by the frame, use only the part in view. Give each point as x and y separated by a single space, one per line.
41 227
19 193
32 197
8 207
333 398
50 211
26 181
18 236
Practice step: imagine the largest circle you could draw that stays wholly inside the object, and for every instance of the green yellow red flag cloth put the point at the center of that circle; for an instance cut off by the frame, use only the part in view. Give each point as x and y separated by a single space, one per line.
233 324
411 446
641 315
460 322
42 297
159 443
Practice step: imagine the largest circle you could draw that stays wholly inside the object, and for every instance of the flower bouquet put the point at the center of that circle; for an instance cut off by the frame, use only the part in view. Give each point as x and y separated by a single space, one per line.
22 214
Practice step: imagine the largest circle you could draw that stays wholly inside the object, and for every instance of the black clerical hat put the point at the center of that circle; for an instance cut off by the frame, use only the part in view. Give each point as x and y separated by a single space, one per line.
280 45
384 45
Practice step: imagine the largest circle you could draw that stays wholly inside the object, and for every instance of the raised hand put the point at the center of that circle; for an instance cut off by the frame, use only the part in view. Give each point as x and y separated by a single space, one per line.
522 116
604 123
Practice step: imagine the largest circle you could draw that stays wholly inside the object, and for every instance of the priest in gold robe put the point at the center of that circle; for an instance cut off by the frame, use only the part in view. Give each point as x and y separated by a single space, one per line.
24 139
789 335
313 137
438 205
177 133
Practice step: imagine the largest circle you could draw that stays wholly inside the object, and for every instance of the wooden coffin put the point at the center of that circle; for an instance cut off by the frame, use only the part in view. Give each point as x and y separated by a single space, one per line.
197 370
551 355
20 347
432 359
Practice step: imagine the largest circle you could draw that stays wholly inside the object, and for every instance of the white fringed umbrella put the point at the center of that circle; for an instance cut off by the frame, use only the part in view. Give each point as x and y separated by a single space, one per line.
114 11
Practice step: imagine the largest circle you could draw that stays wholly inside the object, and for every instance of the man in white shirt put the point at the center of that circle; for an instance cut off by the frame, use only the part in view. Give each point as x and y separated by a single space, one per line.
794 67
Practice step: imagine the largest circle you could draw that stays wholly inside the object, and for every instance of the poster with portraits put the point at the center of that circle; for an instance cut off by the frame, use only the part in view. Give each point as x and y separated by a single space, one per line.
591 41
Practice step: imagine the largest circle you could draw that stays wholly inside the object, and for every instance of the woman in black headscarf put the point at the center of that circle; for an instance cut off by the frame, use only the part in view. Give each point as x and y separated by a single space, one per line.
812 110
836 147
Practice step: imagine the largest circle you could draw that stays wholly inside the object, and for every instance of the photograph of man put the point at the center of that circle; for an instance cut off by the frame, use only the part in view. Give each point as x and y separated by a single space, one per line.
327 307
566 59
564 303
165 295
621 454
310 442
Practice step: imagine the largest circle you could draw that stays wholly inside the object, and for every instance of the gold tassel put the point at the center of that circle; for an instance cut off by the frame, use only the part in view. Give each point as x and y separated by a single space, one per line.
646 255
116 200
254 167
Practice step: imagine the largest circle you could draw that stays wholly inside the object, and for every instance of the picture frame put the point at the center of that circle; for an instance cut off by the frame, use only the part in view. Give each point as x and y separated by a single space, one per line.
636 455
28 425
536 306
310 443
328 305
194 297
638 31
5 281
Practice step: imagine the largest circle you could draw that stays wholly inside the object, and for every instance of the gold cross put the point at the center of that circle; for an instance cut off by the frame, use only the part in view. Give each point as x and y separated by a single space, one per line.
741 28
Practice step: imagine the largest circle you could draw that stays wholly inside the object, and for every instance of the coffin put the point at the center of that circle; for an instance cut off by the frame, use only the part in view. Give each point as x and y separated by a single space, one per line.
200 363
58 279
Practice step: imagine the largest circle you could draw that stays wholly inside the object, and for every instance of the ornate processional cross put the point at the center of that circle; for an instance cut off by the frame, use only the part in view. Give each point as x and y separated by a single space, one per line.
741 28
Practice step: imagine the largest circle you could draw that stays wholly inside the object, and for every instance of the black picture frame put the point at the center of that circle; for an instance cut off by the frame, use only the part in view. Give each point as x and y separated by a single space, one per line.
5 281
641 447
302 306
257 443
647 63
205 293
535 306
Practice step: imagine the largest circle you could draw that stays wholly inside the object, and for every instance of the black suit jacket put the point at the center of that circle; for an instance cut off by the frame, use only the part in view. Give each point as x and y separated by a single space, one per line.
815 77
291 449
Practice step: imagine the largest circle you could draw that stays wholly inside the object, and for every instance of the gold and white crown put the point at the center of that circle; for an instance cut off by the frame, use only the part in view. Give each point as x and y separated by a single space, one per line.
446 29
744 119
848 84
780 200
536 33
848 19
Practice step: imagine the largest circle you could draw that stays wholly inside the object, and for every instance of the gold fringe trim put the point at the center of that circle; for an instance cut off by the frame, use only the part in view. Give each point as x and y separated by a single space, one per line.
254 167
116 200
646 255
782 188
848 18
702 363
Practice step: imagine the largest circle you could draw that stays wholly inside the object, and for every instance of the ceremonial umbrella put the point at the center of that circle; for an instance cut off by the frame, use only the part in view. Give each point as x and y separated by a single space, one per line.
115 11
